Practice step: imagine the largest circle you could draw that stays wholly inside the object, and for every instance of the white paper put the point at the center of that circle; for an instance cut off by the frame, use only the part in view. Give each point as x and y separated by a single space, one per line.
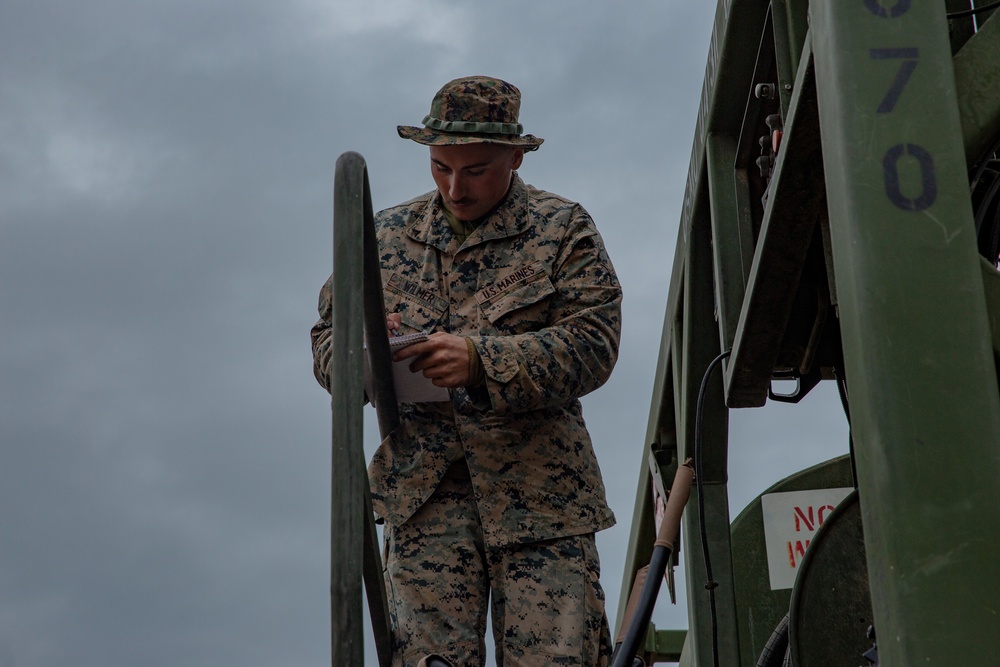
410 387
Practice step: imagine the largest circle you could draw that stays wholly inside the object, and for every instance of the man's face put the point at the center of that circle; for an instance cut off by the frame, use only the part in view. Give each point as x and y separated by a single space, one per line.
473 178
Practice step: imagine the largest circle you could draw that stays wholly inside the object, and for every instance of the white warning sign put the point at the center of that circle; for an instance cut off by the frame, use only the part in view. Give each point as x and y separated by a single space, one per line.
790 521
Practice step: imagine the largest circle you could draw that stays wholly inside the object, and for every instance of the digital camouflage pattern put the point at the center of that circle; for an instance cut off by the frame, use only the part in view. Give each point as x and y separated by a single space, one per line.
473 109
545 597
534 289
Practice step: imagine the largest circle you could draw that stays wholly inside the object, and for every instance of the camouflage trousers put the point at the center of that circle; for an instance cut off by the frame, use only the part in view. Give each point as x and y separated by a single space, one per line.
545 597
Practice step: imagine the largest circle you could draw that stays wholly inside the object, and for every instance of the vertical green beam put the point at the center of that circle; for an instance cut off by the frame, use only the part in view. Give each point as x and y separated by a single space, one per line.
700 346
786 53
348 481
791 25
731 242
925 406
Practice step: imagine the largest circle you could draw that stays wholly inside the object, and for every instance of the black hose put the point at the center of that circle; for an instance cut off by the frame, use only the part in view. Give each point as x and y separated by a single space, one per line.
993 241
776 648
975 10
625 652
982 164
846 403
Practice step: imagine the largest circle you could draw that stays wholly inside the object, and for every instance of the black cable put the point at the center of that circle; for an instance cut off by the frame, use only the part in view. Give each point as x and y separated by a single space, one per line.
984 207
984 162
842 392
987 161
710 584
996 230
625 652
846 403
975 10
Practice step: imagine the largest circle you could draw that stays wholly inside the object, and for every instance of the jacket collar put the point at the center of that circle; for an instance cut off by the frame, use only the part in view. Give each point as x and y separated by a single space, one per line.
509 219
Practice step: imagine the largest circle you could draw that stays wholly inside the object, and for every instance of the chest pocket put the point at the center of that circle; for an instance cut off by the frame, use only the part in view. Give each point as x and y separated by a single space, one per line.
419 308
518 300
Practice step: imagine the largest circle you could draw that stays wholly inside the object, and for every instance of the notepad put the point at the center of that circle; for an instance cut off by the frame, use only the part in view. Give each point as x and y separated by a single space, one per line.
410 387
397 342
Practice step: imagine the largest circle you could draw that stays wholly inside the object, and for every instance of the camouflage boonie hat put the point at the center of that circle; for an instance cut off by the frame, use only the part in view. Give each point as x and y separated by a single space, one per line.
474 109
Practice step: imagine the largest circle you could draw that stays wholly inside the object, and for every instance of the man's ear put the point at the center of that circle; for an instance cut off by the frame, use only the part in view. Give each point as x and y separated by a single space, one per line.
517 158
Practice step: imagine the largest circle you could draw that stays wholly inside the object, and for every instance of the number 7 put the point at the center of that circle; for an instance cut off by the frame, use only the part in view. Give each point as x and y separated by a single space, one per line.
910 57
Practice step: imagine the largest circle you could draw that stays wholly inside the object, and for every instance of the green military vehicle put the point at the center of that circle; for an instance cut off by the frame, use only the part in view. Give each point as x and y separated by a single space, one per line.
840 223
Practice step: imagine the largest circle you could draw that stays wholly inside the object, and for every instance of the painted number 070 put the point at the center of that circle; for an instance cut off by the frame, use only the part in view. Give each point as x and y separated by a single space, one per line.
909 58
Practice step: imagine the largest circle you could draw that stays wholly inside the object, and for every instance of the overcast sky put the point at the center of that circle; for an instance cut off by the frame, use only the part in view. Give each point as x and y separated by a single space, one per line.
165 225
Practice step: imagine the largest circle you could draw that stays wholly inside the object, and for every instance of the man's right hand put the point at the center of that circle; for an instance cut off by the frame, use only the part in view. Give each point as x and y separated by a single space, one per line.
443 359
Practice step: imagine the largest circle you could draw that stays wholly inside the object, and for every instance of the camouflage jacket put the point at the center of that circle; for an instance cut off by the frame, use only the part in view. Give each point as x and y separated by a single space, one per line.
535 291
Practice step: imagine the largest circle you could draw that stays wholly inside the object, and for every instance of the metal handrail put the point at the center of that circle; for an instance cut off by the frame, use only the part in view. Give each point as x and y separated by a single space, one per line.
357 298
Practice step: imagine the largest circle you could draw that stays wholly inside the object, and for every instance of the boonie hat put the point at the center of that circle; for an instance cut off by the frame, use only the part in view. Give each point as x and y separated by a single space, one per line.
473 109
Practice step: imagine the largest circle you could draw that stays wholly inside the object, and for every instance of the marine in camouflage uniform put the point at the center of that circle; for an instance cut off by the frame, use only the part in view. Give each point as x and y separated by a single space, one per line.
493 498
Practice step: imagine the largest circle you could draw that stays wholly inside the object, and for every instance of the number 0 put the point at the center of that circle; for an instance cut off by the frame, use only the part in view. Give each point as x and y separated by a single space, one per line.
898 9
890 172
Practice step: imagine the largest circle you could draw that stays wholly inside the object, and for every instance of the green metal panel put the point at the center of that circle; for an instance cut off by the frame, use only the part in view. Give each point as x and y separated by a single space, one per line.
830 609
699 610
977 79
664 645
760 608
787 230
687 658
922 382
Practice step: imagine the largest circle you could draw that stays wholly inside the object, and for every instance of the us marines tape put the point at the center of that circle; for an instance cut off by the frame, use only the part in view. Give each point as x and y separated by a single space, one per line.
509 282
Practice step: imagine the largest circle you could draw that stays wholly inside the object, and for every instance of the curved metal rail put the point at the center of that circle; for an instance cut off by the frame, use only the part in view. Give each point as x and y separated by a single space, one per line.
357 298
